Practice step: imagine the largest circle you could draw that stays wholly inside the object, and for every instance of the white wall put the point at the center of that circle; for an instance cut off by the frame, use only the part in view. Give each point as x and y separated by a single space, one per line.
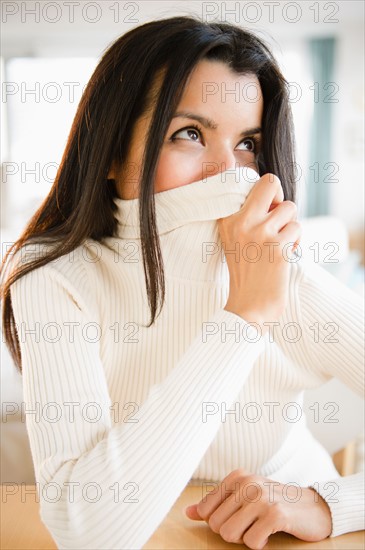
348 130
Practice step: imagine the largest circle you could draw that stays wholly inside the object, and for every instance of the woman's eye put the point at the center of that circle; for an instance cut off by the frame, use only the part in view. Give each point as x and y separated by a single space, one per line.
193 134
249 144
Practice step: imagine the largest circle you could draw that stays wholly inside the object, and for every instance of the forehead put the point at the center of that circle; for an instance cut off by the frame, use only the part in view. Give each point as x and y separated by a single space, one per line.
207 68
214 86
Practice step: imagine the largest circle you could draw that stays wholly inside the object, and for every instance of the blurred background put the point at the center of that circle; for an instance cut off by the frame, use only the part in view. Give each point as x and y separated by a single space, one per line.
48 53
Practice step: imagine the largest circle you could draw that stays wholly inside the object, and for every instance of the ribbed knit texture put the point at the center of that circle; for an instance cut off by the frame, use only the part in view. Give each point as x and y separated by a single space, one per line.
120 408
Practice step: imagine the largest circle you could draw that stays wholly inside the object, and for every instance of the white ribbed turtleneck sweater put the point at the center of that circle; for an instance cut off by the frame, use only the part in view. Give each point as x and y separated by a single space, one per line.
138 412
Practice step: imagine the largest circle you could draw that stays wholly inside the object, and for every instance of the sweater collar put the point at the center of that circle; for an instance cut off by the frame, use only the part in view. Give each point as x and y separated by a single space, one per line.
211 198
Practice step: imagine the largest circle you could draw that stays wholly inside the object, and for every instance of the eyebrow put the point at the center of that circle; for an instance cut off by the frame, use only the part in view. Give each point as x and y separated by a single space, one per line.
209 123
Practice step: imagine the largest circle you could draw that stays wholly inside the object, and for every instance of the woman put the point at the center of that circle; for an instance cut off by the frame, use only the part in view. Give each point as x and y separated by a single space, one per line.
163 165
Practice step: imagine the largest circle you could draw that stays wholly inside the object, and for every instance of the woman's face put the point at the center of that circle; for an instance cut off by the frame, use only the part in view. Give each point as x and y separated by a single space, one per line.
226 110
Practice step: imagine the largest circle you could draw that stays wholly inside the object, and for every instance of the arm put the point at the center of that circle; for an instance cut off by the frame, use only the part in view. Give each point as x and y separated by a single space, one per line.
150 461
346 502
324 299
315 298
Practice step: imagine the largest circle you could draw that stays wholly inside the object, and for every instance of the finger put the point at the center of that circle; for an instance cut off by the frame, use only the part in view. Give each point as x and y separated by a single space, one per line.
237 525
226 509
291 232
256 536
266 191
281 215
273 206
192 513
213 499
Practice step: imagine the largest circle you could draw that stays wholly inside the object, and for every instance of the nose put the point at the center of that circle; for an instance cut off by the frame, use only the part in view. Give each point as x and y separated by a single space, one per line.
218 162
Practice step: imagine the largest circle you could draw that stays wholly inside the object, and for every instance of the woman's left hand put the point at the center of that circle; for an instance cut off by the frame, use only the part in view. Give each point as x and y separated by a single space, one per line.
247 508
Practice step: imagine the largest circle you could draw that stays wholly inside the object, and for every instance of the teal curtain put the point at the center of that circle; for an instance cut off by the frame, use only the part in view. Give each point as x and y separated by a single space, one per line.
325 96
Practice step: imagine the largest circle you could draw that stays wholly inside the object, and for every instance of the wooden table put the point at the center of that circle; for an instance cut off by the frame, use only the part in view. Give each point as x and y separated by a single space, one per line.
22 529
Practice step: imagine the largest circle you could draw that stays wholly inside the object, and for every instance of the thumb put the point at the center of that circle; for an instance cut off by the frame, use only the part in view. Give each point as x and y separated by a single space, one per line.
192 513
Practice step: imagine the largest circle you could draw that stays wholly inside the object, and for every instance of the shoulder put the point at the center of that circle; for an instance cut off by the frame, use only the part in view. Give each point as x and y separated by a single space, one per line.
70 272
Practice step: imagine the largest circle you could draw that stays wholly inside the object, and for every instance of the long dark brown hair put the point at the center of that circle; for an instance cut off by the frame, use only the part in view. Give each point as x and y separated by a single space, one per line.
80 203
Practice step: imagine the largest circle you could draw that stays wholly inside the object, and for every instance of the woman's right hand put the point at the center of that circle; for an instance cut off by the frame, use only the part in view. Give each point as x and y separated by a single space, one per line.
262 228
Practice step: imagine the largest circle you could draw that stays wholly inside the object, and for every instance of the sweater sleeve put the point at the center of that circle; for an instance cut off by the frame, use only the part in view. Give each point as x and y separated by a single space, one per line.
102 485
333 328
